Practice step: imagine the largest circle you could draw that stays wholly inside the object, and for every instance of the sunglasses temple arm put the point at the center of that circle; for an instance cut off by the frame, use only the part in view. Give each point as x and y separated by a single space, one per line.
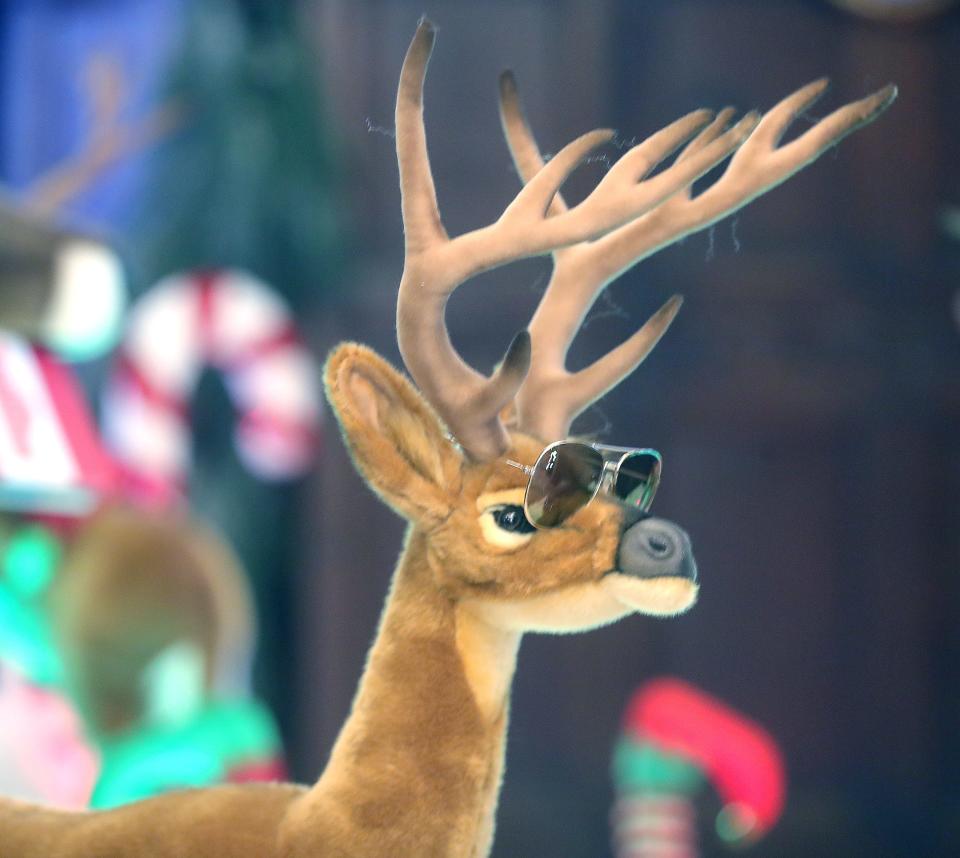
525 468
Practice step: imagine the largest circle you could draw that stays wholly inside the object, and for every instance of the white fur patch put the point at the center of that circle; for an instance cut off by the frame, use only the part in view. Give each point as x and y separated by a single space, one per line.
582 607
659 597
572 609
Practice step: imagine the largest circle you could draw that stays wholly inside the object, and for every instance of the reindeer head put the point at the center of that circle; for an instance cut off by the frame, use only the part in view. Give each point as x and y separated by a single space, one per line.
465 497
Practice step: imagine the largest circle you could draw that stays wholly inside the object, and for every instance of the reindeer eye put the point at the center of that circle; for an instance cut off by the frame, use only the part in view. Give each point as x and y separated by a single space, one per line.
511 518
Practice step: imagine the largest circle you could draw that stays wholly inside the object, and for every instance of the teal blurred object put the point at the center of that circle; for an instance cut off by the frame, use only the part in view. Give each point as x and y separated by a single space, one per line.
225 741
641 765
28 562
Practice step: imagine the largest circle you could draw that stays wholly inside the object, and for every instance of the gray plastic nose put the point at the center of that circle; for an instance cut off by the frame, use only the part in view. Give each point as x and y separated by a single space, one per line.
656 548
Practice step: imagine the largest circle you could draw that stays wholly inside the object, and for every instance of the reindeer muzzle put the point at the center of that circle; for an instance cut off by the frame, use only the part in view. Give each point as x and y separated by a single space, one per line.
656 548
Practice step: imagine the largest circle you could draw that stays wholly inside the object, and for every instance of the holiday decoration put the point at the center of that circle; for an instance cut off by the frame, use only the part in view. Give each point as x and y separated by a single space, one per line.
61 287
155 623
167 701
44 753
675 739
253 182
416 769
51 459
231 321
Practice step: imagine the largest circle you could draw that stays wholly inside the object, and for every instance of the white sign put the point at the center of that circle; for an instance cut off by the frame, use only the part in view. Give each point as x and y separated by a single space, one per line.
36 458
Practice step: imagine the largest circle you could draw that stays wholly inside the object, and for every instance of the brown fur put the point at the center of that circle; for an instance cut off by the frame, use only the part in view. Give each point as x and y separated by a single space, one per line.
416 770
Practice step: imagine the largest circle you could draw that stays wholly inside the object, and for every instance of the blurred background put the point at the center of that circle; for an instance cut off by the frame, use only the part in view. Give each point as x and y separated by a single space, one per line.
805 401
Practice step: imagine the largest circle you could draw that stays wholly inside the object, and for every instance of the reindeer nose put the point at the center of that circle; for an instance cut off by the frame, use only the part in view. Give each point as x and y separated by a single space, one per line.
656 548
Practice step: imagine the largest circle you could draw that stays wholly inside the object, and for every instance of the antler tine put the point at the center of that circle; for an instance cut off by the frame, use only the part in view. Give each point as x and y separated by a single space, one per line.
418 197
469 402
551 397
109 140
436 265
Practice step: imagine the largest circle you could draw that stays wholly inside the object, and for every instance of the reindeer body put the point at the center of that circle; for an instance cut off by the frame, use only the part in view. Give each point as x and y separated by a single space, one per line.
416 770
417 738
221 822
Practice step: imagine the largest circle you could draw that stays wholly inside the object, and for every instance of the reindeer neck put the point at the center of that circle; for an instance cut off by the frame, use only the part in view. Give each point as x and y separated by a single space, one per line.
416 769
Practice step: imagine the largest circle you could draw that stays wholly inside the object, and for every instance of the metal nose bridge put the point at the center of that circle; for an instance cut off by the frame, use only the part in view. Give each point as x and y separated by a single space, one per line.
608 474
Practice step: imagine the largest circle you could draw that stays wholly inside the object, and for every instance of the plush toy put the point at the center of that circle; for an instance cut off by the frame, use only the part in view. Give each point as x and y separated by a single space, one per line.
417 767
154 619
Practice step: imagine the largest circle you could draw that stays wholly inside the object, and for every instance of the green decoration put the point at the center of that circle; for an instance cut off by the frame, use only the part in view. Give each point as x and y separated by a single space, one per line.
150 761
30 561
642 766
26 641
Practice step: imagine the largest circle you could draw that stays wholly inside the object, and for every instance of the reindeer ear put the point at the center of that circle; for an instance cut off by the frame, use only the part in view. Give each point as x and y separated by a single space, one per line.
397 442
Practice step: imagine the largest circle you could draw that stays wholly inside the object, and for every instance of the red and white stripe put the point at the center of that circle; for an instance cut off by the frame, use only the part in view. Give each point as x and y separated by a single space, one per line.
234 323
654 825
51 458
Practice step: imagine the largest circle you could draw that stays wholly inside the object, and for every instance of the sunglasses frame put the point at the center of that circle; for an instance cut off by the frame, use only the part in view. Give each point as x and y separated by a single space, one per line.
608 474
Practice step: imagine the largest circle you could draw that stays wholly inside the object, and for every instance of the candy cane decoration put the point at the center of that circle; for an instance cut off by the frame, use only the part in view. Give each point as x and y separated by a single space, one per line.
676 737
231 321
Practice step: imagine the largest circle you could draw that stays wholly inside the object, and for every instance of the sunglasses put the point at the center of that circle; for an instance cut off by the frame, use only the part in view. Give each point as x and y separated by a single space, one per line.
569 474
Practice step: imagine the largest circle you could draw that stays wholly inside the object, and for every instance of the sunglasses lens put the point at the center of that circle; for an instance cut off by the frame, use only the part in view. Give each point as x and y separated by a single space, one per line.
564 479
637 479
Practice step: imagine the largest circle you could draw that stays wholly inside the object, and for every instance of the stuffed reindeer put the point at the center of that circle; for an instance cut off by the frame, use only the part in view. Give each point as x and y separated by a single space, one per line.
511 529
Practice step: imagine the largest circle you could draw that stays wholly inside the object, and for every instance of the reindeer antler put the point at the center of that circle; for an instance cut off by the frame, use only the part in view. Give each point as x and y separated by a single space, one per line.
551 397
469 402
109 140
